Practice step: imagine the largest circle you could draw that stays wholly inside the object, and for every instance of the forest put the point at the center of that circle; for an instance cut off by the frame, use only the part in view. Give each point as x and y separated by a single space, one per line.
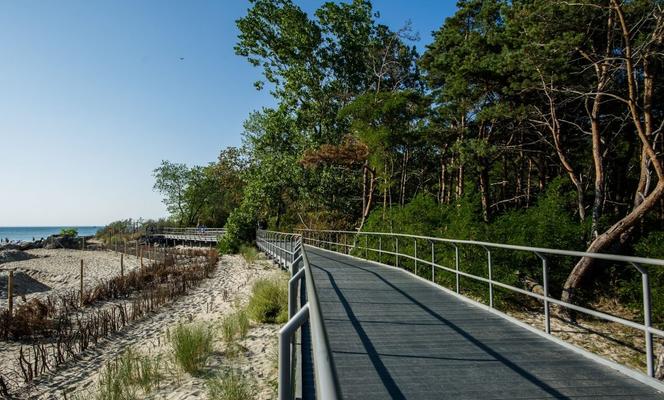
533 122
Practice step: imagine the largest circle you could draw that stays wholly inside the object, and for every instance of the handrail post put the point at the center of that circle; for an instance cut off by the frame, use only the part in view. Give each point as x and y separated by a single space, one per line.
366 247
489 268
645 282
285 363
433 262
292 292
415 254
396 249
545 283
456 263
380 248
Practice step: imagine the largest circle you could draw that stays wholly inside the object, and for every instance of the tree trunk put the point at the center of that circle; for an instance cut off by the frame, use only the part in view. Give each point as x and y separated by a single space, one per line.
598 162
402 189
583 268
443 178
484 191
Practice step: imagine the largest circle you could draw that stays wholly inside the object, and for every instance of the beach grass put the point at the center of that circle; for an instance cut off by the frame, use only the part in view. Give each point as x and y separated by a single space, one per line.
231 385
269 301
122 378
191 345
249 253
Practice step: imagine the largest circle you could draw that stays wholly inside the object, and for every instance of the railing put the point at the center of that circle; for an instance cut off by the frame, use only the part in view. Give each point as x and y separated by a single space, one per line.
190 234
193 231
384 245
287 250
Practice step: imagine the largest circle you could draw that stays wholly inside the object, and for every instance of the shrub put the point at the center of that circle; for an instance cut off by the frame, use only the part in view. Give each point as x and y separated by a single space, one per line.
192 345
69 232
231 385
240 227
269 301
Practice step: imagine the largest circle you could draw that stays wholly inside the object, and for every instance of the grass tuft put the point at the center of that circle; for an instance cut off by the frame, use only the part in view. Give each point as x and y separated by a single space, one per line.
192 345
269 301
228 328
249 253
243 323
233 327
231 385
121 379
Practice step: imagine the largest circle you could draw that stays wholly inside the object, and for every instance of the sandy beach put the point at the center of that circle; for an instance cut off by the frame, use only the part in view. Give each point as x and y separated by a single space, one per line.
227 289
57 270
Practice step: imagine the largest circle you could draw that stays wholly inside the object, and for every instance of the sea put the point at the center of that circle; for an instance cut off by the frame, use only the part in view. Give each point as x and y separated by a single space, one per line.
28 233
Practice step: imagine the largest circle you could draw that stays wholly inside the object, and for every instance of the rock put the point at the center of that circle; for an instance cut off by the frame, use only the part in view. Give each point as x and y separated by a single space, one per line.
13 255
63 242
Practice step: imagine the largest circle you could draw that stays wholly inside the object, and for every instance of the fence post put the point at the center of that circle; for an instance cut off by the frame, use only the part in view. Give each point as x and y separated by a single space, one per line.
121 264
10 293
81 292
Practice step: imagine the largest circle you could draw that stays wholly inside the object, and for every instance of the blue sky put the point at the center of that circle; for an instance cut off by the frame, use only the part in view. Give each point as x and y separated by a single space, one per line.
93 95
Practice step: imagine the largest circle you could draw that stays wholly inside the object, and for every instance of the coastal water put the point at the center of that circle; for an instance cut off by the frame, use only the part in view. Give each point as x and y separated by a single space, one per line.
27 233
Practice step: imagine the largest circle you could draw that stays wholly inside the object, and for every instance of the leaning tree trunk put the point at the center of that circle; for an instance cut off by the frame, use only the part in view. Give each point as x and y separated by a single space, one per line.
582 270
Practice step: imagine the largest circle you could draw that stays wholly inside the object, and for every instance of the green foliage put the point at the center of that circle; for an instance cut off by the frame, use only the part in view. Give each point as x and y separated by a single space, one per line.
69 232
651 246
231 384
202 195
191 345
548 223
269 301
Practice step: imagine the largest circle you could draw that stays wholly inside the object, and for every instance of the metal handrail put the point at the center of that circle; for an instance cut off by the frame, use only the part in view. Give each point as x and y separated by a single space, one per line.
193 231
316 237
274 245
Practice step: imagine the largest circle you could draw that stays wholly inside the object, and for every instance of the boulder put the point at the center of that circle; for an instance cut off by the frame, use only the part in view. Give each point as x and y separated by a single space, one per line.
63 242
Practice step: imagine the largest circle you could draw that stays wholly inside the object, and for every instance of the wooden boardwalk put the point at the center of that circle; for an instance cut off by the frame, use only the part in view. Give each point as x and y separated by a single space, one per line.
395 336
